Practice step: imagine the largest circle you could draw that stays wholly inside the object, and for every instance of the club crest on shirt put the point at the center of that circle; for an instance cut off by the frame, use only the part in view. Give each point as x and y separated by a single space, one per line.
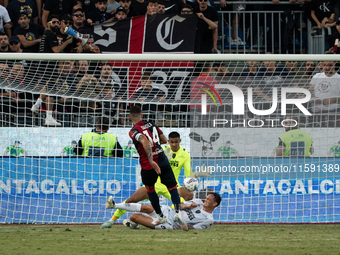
324 87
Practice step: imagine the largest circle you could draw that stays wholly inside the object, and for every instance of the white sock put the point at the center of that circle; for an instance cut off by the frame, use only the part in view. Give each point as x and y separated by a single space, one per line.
153 214
131 207
111 220
49 115
39 102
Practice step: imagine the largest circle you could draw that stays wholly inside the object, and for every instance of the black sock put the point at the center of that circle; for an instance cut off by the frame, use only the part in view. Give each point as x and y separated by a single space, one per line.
176 200
154 199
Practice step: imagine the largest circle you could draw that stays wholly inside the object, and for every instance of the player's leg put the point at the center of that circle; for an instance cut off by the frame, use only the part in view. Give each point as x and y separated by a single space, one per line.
161 189
169 180
137 196
186 195
149 178
142 220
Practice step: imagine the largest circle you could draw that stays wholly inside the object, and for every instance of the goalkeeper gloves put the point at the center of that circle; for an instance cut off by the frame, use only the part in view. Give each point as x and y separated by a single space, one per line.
203 171
168 153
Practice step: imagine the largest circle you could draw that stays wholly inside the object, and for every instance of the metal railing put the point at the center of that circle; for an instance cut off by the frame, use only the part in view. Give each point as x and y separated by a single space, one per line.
267 35
310 42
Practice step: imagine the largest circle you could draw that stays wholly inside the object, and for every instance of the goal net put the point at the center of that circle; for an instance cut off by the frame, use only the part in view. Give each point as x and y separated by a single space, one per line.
265 127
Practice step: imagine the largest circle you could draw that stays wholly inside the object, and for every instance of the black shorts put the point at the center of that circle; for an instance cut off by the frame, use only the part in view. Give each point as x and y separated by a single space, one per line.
149 177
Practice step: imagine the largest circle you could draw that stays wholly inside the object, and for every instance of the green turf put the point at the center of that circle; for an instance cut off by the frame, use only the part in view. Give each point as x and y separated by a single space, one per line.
219 239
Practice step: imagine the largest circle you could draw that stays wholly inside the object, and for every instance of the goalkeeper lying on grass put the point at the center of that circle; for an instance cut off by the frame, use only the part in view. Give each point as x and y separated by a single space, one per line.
195 213
178 158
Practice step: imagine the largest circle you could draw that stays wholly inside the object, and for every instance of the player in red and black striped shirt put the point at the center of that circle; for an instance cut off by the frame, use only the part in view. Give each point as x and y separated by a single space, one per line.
148 138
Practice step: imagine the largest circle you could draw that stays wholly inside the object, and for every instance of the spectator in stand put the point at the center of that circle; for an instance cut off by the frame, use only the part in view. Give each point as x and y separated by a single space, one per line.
129 9
87 85
106 77
81 67
14 44
89 47
111 104
147 93
251 70
211 25
49 42
19 82
79 21
60 84
306 76
173 6
120 13
152 7
112 6
206 37
161 7
139 6
15 7
4 79
58 7
292 67
236 40
99 15
75 46
196 117
4 44
320 66
29 34
324 87
322 12
270 76
5 21
87 6
334 40
309 68
220 69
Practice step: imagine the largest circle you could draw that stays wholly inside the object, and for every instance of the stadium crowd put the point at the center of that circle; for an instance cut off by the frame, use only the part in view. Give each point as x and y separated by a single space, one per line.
52 26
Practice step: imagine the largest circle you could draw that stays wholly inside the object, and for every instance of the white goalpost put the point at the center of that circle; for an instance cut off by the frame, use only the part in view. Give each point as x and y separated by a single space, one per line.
266 127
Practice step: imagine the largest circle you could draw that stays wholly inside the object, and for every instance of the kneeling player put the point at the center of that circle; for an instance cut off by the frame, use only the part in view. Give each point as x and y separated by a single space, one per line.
195 214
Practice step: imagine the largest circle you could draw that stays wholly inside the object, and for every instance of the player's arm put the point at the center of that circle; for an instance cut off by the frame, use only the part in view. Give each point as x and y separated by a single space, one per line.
147 147
163 139
202 225
187 166
188 205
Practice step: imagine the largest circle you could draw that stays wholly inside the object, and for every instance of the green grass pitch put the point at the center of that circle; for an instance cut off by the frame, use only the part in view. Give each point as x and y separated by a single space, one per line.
219 239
